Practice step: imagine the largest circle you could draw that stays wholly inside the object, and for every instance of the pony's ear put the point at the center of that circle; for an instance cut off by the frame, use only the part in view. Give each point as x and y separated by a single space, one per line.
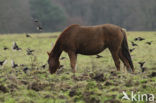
48 53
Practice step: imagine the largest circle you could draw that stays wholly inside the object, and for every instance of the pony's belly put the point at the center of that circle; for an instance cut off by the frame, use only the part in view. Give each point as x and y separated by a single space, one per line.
90 51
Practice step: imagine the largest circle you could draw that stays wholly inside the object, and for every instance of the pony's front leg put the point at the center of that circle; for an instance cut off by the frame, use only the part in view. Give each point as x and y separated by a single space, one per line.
73 58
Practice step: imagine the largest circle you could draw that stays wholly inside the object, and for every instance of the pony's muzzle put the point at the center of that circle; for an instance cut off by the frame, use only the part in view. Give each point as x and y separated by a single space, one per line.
52 71
129 70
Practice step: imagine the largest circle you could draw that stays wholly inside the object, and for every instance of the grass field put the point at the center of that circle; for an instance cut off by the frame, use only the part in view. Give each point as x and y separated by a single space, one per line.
97 80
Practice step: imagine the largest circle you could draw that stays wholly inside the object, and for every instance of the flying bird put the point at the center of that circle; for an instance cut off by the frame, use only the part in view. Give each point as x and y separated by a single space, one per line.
149 43
134 44
139 39
13 64
131 50
62 58
98 56
38 25
3 62
39 28
35 20
141 66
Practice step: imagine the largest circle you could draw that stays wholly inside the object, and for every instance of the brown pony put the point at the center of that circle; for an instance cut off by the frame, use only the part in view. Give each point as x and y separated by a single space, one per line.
91 40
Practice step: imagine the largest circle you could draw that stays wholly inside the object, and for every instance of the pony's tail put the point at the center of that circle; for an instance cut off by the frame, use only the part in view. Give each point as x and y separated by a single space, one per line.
125 50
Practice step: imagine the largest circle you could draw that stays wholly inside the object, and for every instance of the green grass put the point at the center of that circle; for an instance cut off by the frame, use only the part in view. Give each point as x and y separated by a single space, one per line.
38 86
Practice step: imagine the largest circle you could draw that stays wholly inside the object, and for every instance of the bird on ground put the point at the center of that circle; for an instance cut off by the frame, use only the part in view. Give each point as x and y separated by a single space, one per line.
5 48
25 69
29 51
141 66
28 35
99 56
134 44
15 46
43 66
13 64
3 62
131 50
149 43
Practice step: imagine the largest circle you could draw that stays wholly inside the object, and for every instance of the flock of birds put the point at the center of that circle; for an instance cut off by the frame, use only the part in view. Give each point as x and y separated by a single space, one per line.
138 39
30 52
134 44
15 47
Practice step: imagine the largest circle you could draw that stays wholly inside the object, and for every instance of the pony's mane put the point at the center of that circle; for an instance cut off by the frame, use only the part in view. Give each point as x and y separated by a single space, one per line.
65 30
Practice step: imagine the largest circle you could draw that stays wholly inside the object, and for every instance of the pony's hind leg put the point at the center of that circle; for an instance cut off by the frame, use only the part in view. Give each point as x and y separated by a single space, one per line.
116 59
73 57
125 61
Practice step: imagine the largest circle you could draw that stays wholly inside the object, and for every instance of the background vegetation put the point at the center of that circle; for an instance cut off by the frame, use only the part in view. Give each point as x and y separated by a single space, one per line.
54 15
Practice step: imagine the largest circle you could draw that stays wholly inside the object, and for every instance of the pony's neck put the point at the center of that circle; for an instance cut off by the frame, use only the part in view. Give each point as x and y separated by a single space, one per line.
56 51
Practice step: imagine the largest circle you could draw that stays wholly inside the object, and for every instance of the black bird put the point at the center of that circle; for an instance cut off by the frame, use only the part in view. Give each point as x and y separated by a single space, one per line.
15 46
29 51
5 48
149 43
139 39
134 44
39 28
62 58
25 69
131 49
141 66
3 62
98 56
135 39
35 20
28 35
38 25
43 66
13 64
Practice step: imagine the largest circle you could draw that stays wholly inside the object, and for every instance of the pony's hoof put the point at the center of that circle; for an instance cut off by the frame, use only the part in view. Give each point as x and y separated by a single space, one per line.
129 70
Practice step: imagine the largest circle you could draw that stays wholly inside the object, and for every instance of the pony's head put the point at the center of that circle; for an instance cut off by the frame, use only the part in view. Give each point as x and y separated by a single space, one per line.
53 63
